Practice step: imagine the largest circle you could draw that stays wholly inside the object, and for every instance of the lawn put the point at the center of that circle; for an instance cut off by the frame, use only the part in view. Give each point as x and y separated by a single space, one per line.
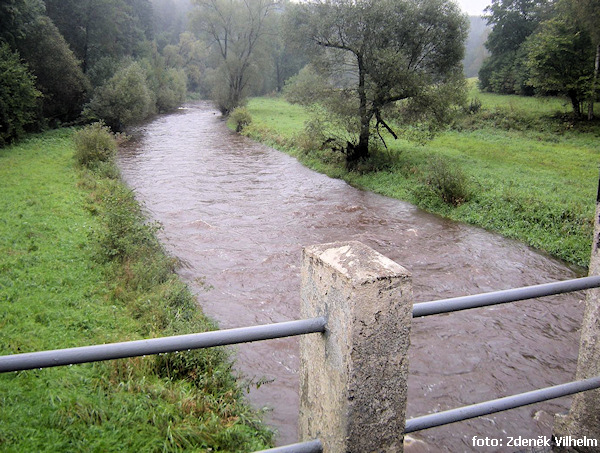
59 287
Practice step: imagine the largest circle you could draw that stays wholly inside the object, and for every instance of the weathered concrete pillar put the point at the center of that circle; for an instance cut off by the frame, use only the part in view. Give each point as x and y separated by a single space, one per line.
353 377
582 423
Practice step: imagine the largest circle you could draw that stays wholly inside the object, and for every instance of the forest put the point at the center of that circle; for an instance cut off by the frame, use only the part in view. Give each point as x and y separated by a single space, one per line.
120 61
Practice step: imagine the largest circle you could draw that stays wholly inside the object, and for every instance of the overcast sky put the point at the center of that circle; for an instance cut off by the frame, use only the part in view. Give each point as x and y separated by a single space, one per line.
473 7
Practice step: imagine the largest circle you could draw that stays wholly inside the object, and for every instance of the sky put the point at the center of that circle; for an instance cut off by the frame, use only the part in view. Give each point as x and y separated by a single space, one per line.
473 7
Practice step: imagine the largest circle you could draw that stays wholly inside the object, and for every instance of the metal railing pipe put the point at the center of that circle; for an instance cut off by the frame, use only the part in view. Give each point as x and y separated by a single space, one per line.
313 446
501 297
58 357
499 405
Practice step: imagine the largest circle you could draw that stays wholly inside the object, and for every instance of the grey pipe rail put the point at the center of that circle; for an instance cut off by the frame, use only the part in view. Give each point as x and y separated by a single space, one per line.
499 405
313 446
71 356
501 297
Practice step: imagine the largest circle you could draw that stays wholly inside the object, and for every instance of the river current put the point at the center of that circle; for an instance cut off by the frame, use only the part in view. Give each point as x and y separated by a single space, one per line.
237 214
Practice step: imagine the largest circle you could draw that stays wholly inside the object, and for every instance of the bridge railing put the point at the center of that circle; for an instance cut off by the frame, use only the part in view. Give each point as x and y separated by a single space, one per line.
353 373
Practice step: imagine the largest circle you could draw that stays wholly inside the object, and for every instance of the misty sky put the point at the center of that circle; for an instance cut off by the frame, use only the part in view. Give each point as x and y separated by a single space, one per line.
473 7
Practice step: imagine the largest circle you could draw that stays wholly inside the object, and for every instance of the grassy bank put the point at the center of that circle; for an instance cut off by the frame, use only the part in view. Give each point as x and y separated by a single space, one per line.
78 266
514 169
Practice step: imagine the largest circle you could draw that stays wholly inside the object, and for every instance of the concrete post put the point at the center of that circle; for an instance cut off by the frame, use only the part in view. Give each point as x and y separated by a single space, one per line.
353 377
582 423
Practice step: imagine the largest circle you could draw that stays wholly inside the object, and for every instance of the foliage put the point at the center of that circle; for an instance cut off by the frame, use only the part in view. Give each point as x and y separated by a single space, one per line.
235 30
57 72
529 173
512 21
172 90
241 118
94 144
18 96
123 100
561 60
305 88
447 181
96 29
51 284
15 15
376 53
168 85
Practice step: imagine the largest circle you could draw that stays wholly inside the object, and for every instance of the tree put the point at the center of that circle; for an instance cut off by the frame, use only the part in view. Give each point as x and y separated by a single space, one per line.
285 58
513 21
588 14
561 60
58 74
380 55
234 30
18 96
14 17
95 29
123 100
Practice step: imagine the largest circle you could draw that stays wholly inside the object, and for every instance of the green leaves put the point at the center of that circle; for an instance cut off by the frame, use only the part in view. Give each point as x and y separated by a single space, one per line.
18 96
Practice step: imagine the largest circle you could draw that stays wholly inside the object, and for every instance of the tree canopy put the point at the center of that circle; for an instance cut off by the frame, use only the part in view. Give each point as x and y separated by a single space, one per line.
376 53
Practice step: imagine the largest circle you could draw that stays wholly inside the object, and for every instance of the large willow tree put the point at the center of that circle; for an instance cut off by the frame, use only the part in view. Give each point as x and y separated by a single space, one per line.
380 56
234 30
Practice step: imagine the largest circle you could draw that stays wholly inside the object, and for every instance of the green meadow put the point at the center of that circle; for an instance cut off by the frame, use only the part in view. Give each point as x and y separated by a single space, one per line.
518 166
78 266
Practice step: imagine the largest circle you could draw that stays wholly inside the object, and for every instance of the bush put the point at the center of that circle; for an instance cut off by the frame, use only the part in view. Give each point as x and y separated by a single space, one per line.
18 96
123 100
305 88
241 118
474 106
447 181
94 144
172 90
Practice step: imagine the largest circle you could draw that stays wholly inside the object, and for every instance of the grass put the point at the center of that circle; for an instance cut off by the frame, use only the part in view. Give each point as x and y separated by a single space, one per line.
62 285
531 172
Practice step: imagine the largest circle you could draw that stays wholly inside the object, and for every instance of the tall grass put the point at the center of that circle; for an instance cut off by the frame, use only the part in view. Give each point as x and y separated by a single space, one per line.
531 172
79 266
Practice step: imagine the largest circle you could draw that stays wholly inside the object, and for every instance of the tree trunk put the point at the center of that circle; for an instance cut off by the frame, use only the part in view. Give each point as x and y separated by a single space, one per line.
575 103
361 150
594 81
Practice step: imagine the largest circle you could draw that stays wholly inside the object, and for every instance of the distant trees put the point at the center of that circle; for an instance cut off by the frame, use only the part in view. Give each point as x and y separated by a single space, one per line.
383 57
561 60
542 47
513 21
234 30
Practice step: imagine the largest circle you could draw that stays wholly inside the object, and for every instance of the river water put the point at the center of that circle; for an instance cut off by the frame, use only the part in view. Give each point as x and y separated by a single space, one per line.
237 214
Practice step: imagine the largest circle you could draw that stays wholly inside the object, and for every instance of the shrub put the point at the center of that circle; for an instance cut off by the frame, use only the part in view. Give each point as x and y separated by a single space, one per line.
474 106
241 118
125 234
172 90
447 181
18 96
305 88
123 100
94 144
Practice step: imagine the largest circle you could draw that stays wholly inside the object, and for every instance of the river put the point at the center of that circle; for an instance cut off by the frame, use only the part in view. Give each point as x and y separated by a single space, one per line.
237 214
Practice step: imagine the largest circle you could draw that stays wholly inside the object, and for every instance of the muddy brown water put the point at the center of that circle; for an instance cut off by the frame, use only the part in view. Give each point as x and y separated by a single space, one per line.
237 214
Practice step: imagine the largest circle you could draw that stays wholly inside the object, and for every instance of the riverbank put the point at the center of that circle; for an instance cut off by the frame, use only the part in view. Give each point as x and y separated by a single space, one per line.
79 266
509 168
